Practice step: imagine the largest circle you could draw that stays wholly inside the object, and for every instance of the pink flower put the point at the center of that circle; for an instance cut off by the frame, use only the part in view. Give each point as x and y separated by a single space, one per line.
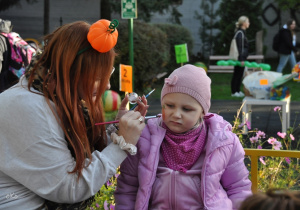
97 205
260 134
271 140
259 147
277 108
288 160
262 160
108 183
247 123
254 139
277 145
112 207
105 205
292 137
116 175
282 135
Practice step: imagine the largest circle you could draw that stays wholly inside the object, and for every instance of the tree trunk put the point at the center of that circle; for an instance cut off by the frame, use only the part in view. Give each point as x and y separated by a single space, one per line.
105 9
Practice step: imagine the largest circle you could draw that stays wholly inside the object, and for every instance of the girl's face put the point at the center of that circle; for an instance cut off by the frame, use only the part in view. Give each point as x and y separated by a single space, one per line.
180 112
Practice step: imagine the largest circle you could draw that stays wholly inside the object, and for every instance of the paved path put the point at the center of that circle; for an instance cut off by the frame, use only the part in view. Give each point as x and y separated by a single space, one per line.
263 117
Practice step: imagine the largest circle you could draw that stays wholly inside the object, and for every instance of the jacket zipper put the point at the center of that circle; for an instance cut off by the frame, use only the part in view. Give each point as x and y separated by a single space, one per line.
202 184
172 204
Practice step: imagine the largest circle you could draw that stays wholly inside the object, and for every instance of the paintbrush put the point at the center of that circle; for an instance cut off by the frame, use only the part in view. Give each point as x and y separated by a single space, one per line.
145 96
117 121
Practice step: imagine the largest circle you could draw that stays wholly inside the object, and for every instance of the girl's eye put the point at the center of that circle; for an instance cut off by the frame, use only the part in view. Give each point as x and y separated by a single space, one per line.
169 105
186 109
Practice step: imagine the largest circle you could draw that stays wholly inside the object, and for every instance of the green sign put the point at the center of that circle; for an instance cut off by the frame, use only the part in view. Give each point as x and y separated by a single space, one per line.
181 53
129 9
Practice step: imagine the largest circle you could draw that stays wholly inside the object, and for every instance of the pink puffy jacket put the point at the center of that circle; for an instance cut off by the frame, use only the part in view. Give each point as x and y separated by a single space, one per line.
224 182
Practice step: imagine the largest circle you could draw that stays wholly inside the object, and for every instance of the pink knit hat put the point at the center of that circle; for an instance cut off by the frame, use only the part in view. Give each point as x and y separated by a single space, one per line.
190 80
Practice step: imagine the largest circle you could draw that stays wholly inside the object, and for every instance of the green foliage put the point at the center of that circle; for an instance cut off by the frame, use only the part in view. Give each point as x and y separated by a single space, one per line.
105 199
154 51
207 20
151 53
288 4
176 34
146 8
230 11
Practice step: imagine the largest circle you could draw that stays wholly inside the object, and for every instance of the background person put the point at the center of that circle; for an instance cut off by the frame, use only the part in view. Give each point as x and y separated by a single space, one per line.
287 45
242 44
52 154
189 158
7 78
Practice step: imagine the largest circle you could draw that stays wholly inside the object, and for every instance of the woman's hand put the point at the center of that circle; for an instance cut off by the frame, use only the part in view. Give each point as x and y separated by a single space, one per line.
131 126
142 106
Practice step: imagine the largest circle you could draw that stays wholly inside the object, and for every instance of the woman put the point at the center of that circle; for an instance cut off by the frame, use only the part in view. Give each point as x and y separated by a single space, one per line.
242 45
287 45
52 154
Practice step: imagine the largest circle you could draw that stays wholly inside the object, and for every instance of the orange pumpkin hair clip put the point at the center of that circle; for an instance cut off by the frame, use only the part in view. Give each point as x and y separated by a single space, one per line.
102 35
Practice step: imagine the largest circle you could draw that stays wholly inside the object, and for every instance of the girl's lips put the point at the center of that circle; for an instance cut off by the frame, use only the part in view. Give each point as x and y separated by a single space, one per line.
176 123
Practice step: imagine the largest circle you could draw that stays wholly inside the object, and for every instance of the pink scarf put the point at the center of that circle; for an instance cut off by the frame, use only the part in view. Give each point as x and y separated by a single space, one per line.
181 151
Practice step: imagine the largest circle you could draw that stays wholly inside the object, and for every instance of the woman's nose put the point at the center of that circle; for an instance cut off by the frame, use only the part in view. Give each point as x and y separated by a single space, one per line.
108 86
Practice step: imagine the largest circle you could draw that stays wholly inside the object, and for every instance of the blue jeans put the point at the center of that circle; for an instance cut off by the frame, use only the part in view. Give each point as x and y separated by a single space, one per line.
283 60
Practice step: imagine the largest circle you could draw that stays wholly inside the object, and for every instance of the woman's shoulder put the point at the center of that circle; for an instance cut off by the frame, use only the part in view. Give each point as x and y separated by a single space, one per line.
20 98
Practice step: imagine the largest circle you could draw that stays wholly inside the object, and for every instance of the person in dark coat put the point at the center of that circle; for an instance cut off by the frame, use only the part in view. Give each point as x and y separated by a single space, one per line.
287 45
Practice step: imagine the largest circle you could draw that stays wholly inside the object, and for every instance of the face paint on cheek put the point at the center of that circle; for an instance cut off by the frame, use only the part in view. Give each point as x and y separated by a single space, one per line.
163 112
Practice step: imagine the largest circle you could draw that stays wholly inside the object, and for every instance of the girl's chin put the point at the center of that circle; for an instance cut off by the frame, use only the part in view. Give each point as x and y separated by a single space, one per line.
177 129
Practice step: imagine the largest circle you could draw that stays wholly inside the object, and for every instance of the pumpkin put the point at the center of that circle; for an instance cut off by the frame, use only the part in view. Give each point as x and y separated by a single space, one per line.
103 35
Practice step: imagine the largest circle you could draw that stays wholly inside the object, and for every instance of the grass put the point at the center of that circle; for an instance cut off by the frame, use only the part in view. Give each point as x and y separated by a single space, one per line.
220 87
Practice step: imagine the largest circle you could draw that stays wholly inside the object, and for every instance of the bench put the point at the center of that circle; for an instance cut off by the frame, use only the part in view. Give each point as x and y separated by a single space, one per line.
213 68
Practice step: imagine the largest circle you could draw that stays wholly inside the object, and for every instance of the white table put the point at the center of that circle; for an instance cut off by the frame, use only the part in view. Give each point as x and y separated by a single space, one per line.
250 101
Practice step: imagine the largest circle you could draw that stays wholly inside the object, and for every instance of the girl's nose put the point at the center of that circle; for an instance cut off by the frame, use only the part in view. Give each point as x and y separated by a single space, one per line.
177 113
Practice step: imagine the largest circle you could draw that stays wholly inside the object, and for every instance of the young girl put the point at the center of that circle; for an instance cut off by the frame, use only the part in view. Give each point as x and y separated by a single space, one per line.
189 158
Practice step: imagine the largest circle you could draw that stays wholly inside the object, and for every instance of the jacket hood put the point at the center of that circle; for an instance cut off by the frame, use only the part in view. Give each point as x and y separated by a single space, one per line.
5 26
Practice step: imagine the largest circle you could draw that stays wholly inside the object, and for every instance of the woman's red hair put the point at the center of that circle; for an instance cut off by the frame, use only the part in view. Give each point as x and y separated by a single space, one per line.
69 78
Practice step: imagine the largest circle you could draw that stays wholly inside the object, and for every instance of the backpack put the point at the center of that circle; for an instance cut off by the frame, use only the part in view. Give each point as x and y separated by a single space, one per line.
7 78
275 44
20 53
